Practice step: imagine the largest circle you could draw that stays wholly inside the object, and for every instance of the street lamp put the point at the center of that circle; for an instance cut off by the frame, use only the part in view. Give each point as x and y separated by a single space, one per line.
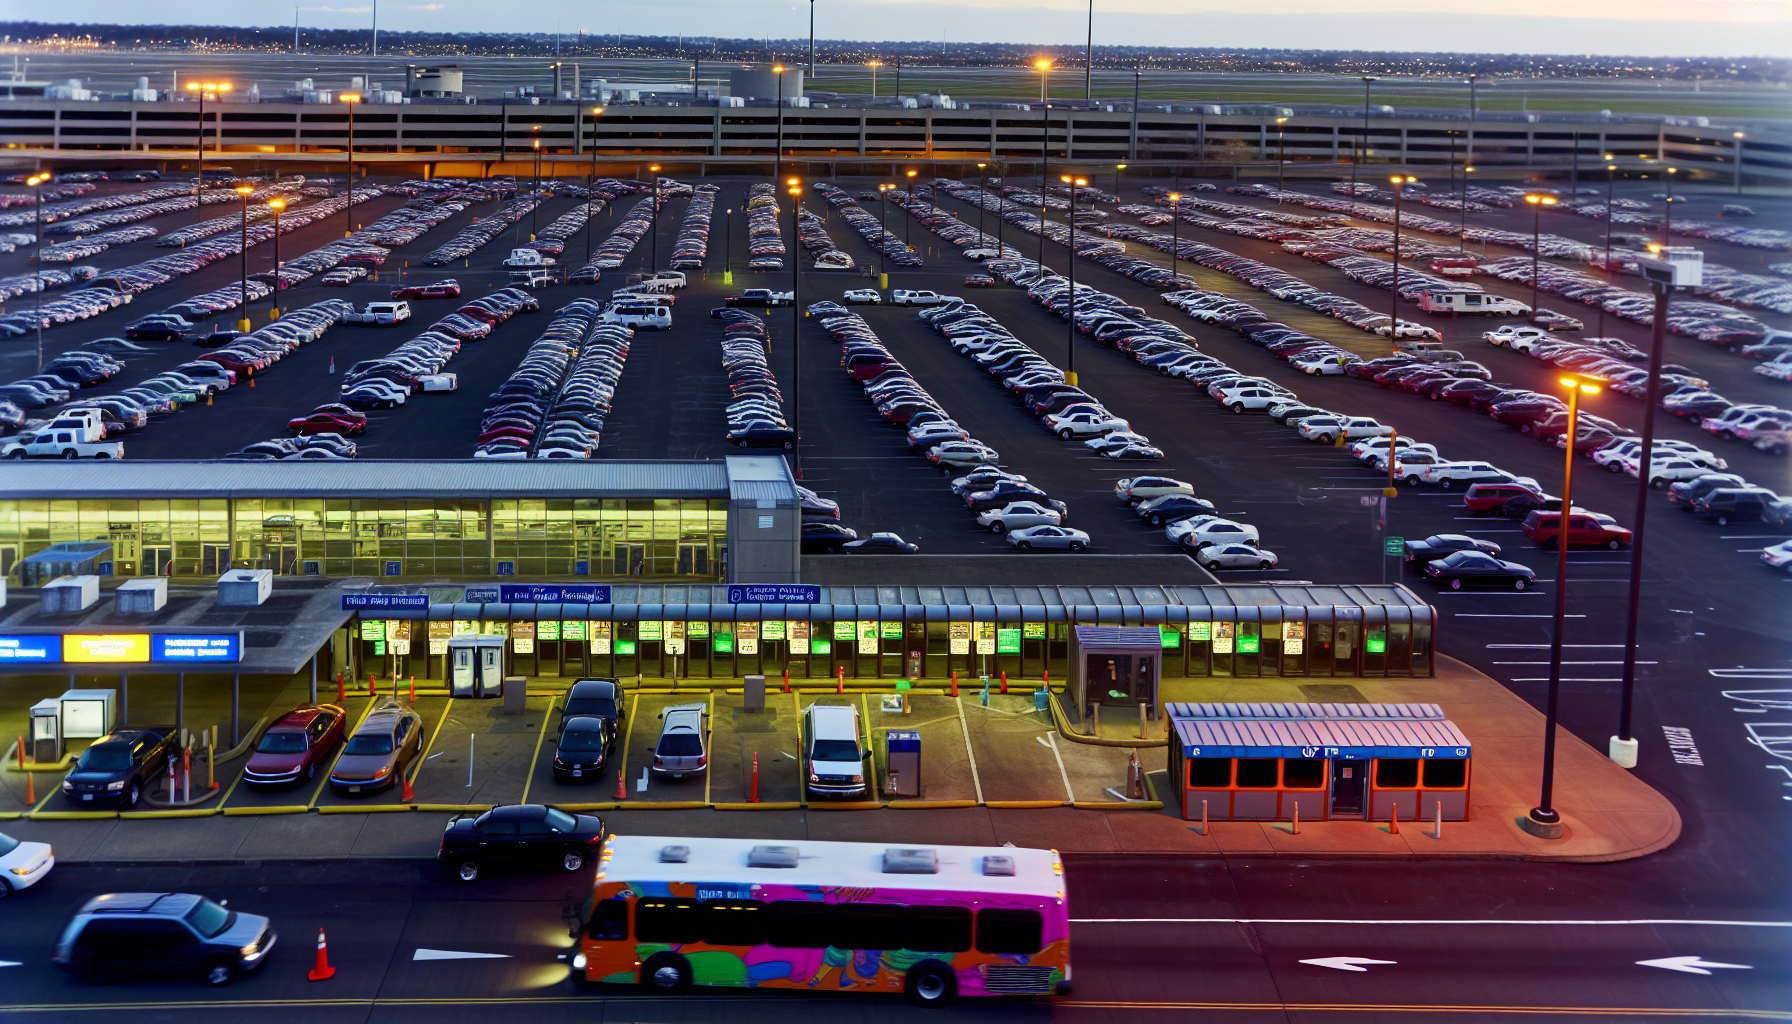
908 222
874 65
591 183
654 169
348 193
1611 179
883 217
1045 135
202 88
1400 181
1544 821
778 161
1281 155
1117 169
276 205
796 324
1667 207
242 323
983 196
36 181
535 192
1070 338
728 248
1538 202
1175 232
1738 136
1467 169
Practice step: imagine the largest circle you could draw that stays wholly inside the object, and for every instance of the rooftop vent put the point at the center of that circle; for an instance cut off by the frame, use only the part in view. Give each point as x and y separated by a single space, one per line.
911 862
772 857
674 854
995 865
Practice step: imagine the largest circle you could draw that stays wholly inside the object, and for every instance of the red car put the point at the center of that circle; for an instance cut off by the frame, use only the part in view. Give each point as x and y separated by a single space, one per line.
979 281
449 289
329 423
482 313
295 746
231 361
1585 529
1490 499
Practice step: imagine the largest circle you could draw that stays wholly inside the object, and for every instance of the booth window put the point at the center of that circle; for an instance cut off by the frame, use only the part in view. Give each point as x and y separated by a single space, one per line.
1396 773
1303 773
1446 773
1210 772
1257 772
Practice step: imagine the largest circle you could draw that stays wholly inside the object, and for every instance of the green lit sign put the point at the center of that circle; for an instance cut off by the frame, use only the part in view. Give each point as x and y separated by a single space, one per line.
1007 641
1033 630
1248 644
820 646
1202 631
1376 642
1394 545
844 631
890 630
1172 638
626 648
547 630
724 643
572 630
373 629
379 648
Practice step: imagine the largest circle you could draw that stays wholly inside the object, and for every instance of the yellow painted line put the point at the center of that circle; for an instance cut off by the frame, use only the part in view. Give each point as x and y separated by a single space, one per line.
52 794
535 761
250 812
1119 805
424 756
346 736
928 805
710 746
763 805
634 705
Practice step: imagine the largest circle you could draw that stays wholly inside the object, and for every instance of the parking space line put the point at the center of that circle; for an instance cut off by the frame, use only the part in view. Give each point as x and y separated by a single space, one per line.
424 756
325 781
535 759
1051 740
708 744
627 735
965 731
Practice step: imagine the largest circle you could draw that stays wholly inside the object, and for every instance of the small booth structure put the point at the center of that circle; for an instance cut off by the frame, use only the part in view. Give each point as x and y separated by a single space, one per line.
1116 664
476 666
1336 761
71 558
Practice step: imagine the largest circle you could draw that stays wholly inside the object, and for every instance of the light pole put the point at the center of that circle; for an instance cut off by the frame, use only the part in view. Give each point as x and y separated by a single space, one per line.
883 219
276 205
998 214
796 323
810 71
1463 230
535 190
983 175
1667 209
1117 169
1363 141
778 160
1070 338
242 323
1738 136
348 194
1538 202
1045 134
1611 179
591 184
1175 232
908 220
728 248
202 88
1400 181
1468 153
1544 821
654 169
1089 57
36 181
1281 155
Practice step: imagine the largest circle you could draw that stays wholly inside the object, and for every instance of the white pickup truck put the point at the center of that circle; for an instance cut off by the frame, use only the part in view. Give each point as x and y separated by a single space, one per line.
917 297
760 297
60 443
385 314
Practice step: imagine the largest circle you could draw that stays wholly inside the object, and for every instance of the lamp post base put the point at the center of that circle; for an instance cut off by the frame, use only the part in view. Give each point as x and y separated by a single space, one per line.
1543 824
1623 752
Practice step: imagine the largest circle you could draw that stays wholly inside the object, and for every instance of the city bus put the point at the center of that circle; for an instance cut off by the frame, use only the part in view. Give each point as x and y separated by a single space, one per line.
932 922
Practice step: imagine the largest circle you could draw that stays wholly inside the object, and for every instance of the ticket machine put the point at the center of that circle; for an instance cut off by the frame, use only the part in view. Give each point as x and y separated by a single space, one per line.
476 666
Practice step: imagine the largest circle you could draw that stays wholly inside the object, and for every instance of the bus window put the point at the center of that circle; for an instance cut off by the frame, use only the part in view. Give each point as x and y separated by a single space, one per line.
668 920
734 922
937 930
1446 773
799 924
866 926
1257 773
1397 772
1210 772
1009 931
610 920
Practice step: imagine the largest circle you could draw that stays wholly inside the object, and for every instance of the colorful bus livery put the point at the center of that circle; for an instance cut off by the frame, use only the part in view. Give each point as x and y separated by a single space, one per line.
933 922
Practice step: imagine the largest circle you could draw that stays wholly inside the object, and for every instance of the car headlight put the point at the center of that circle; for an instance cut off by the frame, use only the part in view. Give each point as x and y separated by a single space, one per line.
858 778
67 786
578 961
383 772
115 786
814 777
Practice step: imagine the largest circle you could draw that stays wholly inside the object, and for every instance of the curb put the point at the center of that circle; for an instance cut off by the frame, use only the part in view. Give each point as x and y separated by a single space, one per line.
1022 805
254 812
855 805
929 805
368 809
765 805
1059 719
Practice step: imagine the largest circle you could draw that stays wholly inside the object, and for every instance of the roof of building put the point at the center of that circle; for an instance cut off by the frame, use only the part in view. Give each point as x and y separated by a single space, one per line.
834 866
760 481
550 478
1121 637
1293 712
1310 738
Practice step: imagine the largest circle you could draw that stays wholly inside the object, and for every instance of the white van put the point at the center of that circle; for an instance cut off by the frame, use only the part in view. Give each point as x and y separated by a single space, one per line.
638 316
1471 303
835 761
527 258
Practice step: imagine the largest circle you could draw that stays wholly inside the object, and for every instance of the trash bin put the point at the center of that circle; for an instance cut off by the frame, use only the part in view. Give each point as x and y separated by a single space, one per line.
903 777
753 694
1042 700
46 731
516 694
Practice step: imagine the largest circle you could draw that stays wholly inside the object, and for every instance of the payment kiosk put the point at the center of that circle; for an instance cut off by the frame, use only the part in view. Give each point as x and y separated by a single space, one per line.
476 666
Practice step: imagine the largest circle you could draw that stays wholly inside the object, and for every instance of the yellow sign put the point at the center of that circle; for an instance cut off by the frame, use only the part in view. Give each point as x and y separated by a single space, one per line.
123 647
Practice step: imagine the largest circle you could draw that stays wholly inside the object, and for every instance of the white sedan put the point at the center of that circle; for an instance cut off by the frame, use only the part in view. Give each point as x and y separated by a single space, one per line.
1201 531
1018 515
1368 449
1138 488
962 455
22 864
865 296
1325 429
1235 556
1408 329
1254 397
1330 364
1779 556
1083 424
1060 538
1117 439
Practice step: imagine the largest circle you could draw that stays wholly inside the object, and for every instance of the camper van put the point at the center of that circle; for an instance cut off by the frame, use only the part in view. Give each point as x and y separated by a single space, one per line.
1471 303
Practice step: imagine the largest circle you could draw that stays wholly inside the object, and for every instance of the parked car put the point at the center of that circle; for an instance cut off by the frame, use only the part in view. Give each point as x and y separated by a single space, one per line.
519 837
583 748
295 745
162 934
683 745
834 755
1585 529
1443 545
383 747
1475 569
116 768
598 697
880 544
1235 556
1051 538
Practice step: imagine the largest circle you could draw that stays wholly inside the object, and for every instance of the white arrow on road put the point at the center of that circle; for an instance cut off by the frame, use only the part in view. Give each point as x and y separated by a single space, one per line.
1345 963
450 954
11 963
1689 964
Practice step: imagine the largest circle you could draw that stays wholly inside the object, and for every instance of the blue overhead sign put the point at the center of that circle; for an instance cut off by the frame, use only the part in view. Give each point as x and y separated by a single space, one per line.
16 650
196 647
774 593
385 602
554 593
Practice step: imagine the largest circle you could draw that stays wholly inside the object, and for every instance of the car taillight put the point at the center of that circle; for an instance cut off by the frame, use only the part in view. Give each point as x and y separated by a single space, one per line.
658 762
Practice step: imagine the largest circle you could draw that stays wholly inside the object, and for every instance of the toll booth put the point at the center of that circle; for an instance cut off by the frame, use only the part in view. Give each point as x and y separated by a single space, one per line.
1335 761
1115 665
87 714
476 666
903 777
46 731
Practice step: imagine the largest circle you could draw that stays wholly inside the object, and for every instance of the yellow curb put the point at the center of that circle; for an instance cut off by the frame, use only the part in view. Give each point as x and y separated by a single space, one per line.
1095 741
42 766
765 805
924 805
663 805
69 815
363 809
456 808
244 747
172 812
1119 805
611 806
1022 805
9 815
854 805
250 812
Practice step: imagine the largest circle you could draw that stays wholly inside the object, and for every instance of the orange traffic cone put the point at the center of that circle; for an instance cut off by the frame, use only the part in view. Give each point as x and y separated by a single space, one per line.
406 779
323 969
621 782
1394 820
30 790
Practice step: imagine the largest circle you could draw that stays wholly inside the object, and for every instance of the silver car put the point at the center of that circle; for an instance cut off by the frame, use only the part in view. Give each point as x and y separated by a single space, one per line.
683 747
1235 556
1057 538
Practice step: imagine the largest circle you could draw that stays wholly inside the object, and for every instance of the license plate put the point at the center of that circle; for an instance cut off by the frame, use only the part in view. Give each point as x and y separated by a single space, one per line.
354 789
576 772
87 796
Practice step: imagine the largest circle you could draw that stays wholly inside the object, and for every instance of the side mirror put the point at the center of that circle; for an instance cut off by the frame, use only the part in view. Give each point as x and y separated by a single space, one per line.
866 756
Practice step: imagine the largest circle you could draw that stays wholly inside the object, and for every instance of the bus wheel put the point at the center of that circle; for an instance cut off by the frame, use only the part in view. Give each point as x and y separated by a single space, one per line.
667 972
931 984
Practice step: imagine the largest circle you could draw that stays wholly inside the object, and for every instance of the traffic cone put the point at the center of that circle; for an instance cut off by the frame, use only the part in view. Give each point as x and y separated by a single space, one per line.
332 364
30 790
208 398
622 782
406 779
322 970
1394 820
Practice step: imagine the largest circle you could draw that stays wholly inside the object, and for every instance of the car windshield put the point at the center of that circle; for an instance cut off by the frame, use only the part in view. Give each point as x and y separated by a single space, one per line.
559 819
582 740
835 750
208 918
283 742
7 844
376 744
110 758
680 744
602 706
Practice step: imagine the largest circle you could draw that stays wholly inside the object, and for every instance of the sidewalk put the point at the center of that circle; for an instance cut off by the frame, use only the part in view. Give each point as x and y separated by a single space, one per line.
1035 788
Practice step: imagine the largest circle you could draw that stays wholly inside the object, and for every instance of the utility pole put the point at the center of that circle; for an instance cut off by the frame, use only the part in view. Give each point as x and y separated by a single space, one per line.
1089 57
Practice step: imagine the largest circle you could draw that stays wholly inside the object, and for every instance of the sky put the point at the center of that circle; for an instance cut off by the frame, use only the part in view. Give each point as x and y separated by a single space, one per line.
1642 27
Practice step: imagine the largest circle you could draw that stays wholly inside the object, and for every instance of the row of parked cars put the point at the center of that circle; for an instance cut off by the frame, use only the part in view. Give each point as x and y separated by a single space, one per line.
765 235
1709 322
890 248
812 235
630 228
691 247
474 236
554 403
94 244
755 409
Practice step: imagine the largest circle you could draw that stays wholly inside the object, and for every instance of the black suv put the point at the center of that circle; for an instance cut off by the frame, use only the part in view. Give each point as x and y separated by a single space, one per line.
595 697
161 933
118 767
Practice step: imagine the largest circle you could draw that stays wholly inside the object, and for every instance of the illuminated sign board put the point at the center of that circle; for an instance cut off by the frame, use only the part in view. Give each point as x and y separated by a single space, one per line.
17 650
775 593
196 647
90 648
385 602
527 593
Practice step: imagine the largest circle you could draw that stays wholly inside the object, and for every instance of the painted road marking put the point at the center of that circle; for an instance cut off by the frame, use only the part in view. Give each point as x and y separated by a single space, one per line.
1690 964
1346 963
451 954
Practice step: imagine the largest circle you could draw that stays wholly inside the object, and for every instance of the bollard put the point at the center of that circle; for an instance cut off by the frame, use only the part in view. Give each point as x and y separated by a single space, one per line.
753 794
1004 684
413 691
954 693
211 757
840 679
1394 819
1141 721
172 763
985 695
1048 680
1295 831
1203 817
373 688
1437 823
787 680
1095 721
186 774
21 753
340 695
30 790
